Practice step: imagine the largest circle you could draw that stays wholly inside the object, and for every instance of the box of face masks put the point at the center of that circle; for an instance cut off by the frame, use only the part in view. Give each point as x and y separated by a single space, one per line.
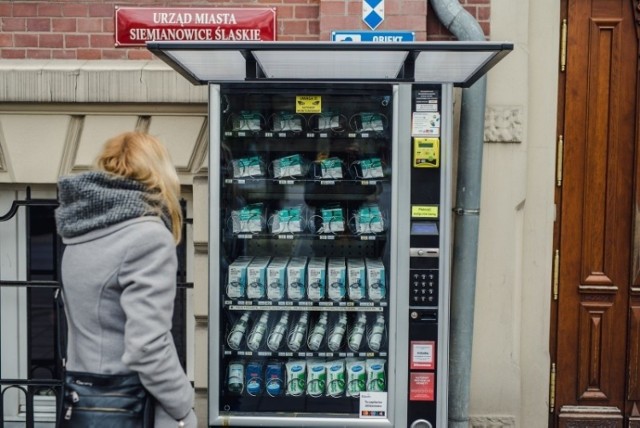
316 278
237 279
336 279
376 282
296 278
257 277
276 275
356 278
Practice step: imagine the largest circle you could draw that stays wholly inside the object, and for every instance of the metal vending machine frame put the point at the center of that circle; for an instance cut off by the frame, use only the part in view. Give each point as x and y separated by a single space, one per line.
419 79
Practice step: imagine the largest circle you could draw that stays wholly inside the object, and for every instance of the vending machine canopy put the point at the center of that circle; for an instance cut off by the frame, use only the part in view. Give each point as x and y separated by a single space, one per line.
458 63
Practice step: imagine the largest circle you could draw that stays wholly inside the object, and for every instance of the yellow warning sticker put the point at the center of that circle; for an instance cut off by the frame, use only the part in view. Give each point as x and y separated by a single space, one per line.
424 211
308 104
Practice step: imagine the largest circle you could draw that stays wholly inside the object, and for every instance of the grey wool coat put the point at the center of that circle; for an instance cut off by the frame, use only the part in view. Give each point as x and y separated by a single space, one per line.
119 286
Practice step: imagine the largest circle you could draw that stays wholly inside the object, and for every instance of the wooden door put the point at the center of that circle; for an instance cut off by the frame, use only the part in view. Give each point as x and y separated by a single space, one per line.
596 304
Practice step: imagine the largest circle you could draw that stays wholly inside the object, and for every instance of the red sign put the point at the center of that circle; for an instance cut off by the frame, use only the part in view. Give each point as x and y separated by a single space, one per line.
422 355
421 386
137 25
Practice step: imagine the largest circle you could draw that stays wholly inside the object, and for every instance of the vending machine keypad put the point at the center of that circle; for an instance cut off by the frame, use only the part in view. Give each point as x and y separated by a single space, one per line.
423 287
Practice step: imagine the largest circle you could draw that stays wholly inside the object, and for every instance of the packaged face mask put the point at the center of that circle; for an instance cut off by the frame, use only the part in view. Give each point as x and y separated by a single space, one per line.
248 167
248 219
247 121
367 121
287 121
287 220
369 219
369 168
289 167
328 121
330 168
332 220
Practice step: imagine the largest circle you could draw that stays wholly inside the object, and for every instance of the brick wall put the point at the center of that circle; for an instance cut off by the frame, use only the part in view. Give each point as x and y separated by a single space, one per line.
405 15
65 29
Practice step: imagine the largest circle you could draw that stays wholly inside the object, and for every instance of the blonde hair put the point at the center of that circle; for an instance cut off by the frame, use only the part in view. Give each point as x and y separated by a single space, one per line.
142 157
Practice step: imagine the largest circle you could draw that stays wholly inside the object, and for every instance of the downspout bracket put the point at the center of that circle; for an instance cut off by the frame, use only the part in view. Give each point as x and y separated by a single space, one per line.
461 211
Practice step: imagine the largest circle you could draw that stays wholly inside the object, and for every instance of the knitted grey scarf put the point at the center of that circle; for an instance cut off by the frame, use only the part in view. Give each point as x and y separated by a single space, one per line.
95 200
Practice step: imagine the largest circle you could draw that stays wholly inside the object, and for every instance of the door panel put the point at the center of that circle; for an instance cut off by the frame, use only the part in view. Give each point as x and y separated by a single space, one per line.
594 328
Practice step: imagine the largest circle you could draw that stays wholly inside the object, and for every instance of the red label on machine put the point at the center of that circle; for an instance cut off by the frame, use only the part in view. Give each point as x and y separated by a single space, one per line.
134 26
422 386
422 355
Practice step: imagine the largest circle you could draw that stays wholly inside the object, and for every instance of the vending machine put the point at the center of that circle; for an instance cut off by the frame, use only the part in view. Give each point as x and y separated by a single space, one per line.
329 230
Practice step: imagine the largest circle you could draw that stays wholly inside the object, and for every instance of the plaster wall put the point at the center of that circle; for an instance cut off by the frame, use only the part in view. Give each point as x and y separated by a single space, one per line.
510 368
55 115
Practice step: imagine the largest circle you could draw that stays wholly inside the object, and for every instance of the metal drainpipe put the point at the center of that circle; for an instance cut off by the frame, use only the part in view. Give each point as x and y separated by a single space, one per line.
465 245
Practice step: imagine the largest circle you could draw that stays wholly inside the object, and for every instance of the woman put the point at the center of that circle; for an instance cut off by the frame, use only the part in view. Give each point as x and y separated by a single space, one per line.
121 223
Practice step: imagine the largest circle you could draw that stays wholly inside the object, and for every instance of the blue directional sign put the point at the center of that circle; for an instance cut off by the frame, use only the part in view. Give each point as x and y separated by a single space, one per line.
373 36
373 13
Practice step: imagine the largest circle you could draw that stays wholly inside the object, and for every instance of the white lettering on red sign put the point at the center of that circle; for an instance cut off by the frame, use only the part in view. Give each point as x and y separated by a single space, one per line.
136 26
197 18
421 386
193 34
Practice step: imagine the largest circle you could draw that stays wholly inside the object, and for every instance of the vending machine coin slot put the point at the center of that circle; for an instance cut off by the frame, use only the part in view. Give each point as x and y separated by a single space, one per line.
424 252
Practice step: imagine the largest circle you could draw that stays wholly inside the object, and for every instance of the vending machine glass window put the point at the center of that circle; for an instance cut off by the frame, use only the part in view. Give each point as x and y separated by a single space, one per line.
305 210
